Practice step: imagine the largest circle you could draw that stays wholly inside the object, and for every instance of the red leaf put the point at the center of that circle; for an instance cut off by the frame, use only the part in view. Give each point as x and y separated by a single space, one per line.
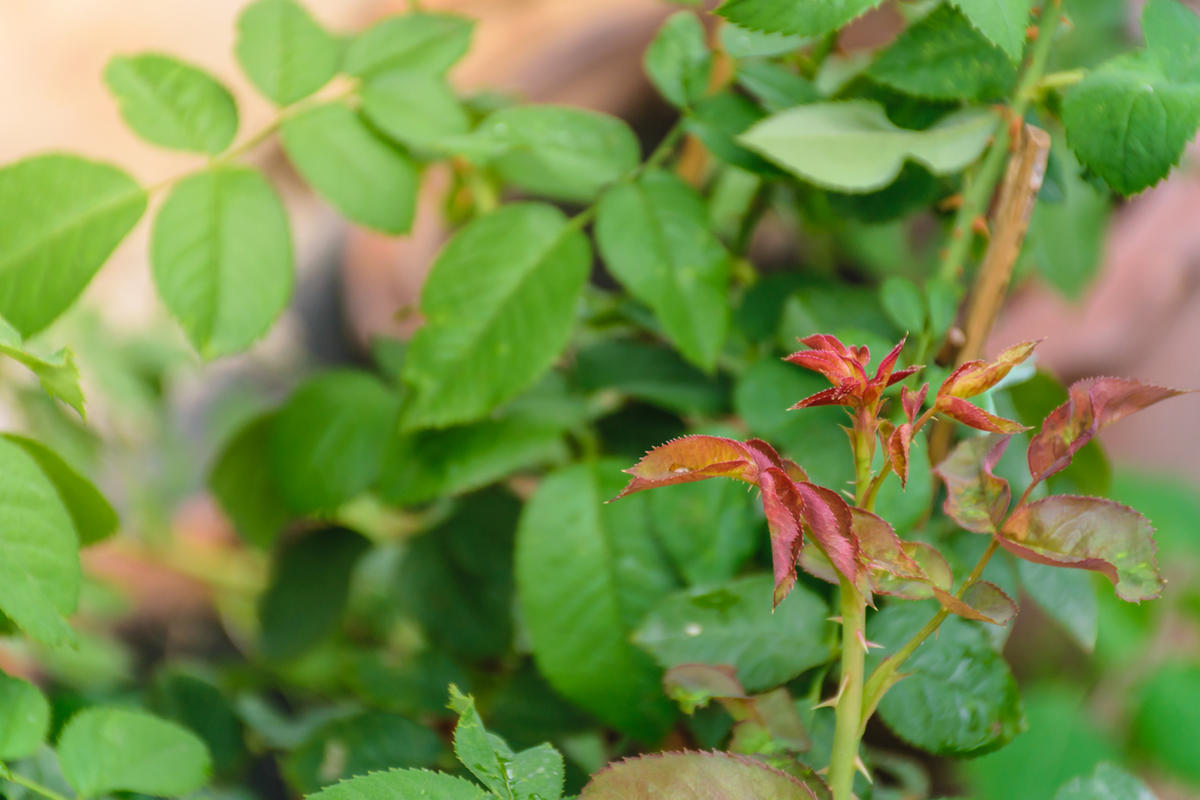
1091 404
981 601
888 565
898 445
912 401
975 498
771 458
782 504
826 397
976 377
976 417
829 519
692 458
1088 533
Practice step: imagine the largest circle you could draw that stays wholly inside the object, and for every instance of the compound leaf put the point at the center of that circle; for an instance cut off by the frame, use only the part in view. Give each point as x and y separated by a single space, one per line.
286 54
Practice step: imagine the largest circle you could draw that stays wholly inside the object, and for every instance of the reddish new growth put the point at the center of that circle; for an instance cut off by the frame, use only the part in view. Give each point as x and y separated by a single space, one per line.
846 369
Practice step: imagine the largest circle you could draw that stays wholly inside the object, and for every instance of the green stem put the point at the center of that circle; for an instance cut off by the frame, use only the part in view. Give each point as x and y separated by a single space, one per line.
31 785
983 182
847 733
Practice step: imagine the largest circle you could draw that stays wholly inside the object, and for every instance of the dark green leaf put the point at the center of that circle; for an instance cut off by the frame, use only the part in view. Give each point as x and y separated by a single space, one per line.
903 303
1066 239
1168 704
103 750
648 373
286 54
708 529
198 705
654 237
1108 782
678 61
734 624
60 218
803 17
1002 21
326 443
499 305
221 254
304 601
358 744
1067 595
402 783
418 42
360 174
586 575
242 482
172 104
24 718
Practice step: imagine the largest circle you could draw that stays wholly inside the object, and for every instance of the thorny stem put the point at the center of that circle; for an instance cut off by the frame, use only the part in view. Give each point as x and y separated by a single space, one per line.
987 174
28 783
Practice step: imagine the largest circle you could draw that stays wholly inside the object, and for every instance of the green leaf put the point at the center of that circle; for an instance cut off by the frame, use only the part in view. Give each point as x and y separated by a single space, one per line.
241 481
1167 704
1129 123
24 718
678 60
559 152
1173 39
1066 239
286 54
943 58
741 42
419 42
586 575
402 783
221 254
709 529
701 776
653 374
60 218
413 108
105 750
499 305
172 104
358 744
654 237
57 374
198 704
360 174
533 774
776 86
94 519
734 624
904 304
39 574
328 439
1088 533
306 596
457 579
801 17
959 697
1108 782
851 145
1067 596
423 466
1002 21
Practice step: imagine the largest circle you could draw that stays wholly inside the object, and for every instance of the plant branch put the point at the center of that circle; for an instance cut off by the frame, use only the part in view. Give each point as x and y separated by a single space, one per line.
30 784
849 709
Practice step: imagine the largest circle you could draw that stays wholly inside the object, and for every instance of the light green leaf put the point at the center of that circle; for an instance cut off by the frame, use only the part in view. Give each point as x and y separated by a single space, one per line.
499 305
586 574
1066 239
851 145
24 718
708 528
221 254
1066 595
1167 704
802 17
39 574
943 58
105 750
654 237
93 517
776 86
1129 123
310 580
678 60
172 104
734 624
559 152
367 741
1002 21
1108 782
360 174
959 697
57 374
904 304
741 42
418 42
1173 39
413 108
60 218
328 439
286 54
241 481
402 783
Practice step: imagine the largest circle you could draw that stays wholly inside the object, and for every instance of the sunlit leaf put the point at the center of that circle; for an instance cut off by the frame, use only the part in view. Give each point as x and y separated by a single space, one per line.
283 50
976 377
24 718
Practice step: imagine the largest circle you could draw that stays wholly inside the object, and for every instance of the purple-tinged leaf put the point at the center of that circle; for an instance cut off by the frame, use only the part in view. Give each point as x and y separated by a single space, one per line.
935 569
982 601
781 502
691 458
975 498
765 456
976 377
976 417
829 519
697 776
1091 404
1088 533
888 565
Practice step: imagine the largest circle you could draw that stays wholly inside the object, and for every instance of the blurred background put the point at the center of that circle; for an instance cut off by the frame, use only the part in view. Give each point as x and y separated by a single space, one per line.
156 413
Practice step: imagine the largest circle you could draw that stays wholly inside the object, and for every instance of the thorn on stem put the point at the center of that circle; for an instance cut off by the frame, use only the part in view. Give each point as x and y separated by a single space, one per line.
979 225
861 767
833 701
